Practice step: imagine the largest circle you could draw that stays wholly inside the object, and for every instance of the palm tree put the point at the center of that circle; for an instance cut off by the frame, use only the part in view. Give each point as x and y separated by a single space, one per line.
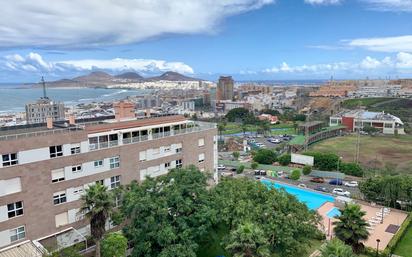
221 128
248 240
351 228
336 248
98 204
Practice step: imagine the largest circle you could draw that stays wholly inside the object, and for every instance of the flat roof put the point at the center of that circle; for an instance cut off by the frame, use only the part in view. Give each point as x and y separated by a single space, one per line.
24 249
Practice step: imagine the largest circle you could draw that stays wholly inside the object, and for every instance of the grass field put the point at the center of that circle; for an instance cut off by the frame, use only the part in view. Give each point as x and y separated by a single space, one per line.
375 152
234 128
404 247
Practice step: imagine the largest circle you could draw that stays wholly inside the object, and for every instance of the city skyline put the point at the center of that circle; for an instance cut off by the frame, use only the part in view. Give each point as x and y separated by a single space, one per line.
248 39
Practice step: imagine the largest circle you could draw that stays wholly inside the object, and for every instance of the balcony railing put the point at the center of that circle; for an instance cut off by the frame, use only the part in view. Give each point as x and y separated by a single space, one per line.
199 126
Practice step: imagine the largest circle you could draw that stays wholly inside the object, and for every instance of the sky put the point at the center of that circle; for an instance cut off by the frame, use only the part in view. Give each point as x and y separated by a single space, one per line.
247 39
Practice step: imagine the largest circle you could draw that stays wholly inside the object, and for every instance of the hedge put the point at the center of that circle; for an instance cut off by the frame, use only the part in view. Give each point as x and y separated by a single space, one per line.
398 236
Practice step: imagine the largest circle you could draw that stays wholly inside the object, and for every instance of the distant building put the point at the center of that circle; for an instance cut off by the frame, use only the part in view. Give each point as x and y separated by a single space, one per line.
225 106
224 89
377 90
333 91
44 108
271 118
358 119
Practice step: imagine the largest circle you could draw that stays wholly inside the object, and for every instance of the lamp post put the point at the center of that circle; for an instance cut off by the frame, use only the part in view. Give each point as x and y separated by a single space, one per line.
377 246
337 170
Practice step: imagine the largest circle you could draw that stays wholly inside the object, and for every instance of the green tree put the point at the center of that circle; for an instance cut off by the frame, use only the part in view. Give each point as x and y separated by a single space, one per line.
351 227
264 127
114 245
307 169
324 161
336 248
237 114
265 156
295 126
295 175
221 128
254 165
240 169
98 204
239 200
370 130
236 155
271 112
284 160
248 240
169 214
351 168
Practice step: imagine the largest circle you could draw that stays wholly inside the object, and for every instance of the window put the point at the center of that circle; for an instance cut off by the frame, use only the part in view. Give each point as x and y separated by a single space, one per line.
114 182
77 168
75 149
179 163
167 149
15 209
10 159
57 175
167 165
387 125
201 158
78 190
142 156
101 182
179 150
98 163
117 201
114 162
201 142
17 233
56 151
59 198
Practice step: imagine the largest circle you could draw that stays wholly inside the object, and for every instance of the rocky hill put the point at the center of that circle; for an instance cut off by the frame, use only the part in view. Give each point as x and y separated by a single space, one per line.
103 79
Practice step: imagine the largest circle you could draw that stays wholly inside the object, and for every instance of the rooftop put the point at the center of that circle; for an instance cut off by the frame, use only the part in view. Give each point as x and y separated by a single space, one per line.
367 115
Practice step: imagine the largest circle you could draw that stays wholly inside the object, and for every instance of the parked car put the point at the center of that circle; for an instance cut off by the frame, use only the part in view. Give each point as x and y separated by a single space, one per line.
322 189
341 192
302 186
226 174
337 182
221 167
260 172
317 180
233 169
351 184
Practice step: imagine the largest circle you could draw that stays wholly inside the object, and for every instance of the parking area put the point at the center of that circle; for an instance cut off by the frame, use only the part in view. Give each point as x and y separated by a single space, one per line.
268 142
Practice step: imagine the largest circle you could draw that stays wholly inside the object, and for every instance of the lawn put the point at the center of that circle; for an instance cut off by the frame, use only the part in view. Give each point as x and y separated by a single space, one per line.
404 247
391 152
261 166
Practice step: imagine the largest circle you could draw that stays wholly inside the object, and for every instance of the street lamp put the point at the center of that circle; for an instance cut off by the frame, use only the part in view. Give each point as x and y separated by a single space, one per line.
377 246
337 170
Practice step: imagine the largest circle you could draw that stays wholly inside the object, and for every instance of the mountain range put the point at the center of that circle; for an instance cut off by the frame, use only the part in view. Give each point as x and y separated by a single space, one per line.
103 79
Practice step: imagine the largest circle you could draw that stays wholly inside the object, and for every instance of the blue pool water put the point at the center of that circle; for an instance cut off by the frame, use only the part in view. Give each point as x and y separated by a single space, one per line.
334 212
313 200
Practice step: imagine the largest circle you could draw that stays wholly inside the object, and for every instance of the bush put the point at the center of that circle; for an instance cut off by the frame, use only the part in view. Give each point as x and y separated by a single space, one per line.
351 168
307 170
324 161
114 244
284 160
295 175
236 155
265 156
254 165
240 169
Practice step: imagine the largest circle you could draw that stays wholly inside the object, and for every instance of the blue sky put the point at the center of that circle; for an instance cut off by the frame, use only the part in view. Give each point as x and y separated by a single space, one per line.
248 39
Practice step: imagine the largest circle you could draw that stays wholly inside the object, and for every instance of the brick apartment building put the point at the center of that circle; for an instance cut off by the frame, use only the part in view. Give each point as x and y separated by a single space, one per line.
44 170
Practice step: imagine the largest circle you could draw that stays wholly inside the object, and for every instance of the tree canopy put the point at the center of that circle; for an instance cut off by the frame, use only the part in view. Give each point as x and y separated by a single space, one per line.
336 248
241 115
288 223
114 245
167 215
265 156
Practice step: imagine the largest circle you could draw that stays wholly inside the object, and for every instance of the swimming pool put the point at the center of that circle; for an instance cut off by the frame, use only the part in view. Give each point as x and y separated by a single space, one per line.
333 213
313 200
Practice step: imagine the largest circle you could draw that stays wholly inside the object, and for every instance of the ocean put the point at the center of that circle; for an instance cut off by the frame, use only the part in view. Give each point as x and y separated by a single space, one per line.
13 99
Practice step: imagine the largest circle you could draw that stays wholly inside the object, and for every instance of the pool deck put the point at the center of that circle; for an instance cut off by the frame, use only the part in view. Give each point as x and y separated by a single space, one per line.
395 217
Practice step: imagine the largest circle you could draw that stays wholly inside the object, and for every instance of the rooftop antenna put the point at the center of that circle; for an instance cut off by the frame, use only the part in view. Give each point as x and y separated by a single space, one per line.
44 88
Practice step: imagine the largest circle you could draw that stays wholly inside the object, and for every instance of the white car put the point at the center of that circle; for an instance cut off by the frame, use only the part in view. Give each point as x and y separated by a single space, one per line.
221 167
341 192
302 186
351 184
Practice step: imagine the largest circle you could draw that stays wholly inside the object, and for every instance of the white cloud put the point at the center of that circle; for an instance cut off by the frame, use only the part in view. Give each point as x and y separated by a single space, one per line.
383 44
390 5
404 60
93 23
323 2
34 63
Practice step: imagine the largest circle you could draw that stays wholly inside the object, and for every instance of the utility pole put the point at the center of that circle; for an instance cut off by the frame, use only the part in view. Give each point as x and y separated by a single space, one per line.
357 119
307 132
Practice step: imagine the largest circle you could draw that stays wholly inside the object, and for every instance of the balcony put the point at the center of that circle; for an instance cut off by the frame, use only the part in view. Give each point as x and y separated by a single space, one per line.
198 126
